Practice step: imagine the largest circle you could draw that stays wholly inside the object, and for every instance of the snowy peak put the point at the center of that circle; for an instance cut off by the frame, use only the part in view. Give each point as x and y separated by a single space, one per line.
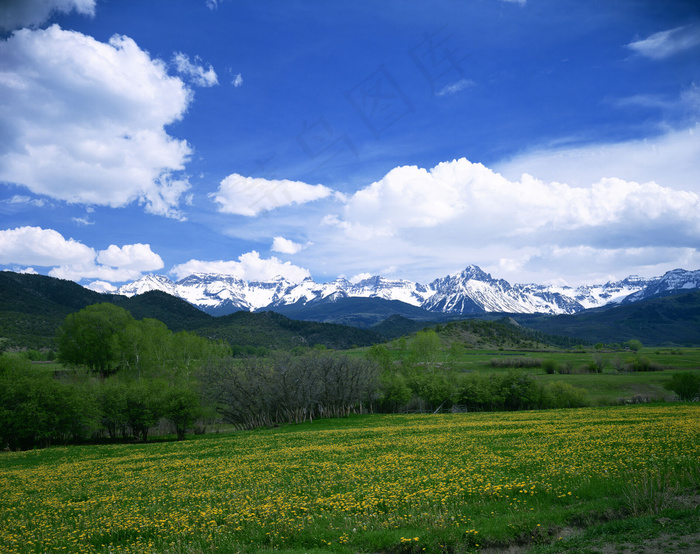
472 290
672 282
147 284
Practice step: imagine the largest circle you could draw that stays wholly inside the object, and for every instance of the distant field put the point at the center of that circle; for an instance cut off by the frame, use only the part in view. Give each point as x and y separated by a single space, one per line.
438 483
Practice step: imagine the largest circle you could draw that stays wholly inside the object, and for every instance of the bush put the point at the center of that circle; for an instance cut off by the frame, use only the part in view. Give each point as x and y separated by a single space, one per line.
685 385
563 395
549 366
516 362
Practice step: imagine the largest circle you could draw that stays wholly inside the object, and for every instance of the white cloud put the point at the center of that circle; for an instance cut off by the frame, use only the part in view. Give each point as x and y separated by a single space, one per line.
667 43
84 121
285 246
131 256
250 267
195 72
82 221
428 223
237 80
472 199
454 88
359 277
41 247
101 287
250 196
26 270
22 199
70 259
669 160
15 14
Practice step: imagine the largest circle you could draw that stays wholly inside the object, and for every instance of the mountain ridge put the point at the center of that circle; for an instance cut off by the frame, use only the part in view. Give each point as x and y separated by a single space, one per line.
471 291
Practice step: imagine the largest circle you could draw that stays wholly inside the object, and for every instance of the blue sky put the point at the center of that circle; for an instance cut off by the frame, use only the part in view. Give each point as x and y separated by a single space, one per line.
546 141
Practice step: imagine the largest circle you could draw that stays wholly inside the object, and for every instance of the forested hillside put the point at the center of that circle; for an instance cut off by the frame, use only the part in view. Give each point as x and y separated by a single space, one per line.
668 321
33 307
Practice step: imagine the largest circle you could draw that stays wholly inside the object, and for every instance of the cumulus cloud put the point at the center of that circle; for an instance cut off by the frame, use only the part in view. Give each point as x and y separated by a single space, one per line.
667 43
131 256
195 72
249 267
84 121
101 287
71 259
41 247
473 199
431 222
285 246
15 14
237 80
250 196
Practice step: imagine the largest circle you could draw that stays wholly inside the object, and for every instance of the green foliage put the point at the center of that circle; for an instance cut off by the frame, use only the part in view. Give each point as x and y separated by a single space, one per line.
37 410
564 395
425 347
381 355
634 345
182 407
143 407
549 365
686 385
94 337
393 392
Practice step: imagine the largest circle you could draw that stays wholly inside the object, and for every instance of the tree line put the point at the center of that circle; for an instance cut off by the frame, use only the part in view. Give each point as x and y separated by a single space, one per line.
124 376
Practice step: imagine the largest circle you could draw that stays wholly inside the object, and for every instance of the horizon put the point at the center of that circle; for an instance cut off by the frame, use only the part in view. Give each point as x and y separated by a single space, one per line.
545 142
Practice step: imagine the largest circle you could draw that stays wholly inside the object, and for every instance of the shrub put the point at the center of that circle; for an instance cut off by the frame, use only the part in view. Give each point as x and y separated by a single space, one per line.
515 361
549 366
685 385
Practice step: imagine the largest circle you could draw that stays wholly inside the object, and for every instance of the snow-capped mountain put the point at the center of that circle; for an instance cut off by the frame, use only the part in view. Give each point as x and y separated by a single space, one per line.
470 291
672 282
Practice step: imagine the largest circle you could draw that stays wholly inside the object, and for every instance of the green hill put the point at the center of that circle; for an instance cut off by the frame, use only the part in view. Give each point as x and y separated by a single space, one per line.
666 321
32 308
275 331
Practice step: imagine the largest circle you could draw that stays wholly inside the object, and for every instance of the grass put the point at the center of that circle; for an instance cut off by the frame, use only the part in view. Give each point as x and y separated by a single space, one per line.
439 483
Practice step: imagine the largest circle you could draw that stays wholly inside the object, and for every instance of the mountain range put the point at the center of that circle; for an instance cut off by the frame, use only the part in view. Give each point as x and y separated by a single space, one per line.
471 291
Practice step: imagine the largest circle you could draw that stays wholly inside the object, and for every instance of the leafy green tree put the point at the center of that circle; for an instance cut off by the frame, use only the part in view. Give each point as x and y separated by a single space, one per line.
143 407
425 347
686 385
181 406
37 410
380 354
112 398
93 337
634 345
394 393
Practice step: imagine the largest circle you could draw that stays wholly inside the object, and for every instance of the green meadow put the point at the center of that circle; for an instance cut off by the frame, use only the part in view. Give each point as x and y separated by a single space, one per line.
550 481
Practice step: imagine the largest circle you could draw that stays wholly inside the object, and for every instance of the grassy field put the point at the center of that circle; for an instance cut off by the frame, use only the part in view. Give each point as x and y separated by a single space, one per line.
420 483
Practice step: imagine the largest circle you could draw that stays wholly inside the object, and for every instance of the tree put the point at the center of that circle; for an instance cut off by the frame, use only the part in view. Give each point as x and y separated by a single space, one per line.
93 337
685 385
143 408
181 406
634 345
37 410
425 347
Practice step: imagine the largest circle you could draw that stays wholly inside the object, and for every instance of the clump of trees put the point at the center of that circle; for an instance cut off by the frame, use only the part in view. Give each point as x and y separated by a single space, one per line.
126 376
262 392
686 385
